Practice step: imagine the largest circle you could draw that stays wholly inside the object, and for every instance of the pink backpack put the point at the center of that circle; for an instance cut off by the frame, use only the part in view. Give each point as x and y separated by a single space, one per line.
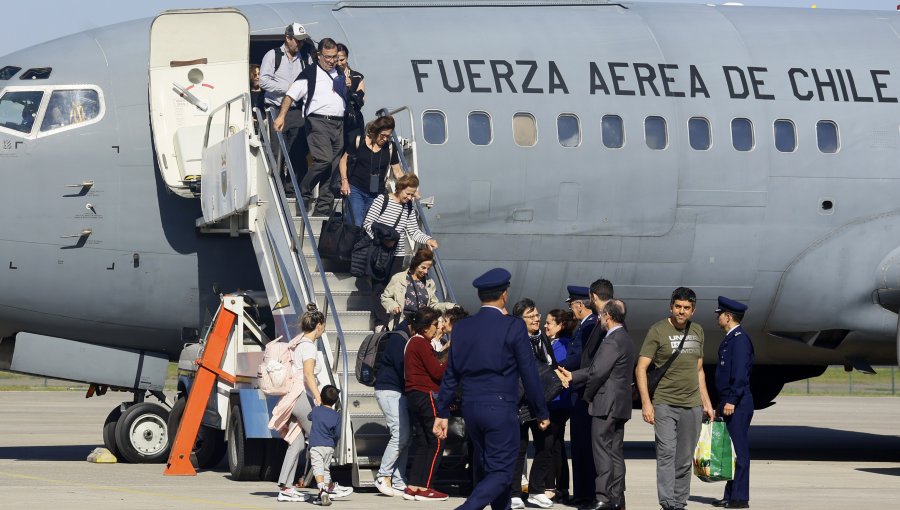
276 372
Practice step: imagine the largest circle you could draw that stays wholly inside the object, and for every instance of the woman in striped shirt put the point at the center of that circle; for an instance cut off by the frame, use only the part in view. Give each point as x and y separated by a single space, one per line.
395 209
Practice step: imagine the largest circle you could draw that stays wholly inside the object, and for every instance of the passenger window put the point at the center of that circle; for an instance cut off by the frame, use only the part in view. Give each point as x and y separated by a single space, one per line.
70 107
524 129
480 128
434 127
36 73
699 133
785 136
612 132
655 132
827 136
568 130
19 108
8 72
742 134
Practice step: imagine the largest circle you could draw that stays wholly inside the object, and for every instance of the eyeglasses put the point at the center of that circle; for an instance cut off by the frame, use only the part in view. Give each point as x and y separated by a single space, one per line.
328 57
532 316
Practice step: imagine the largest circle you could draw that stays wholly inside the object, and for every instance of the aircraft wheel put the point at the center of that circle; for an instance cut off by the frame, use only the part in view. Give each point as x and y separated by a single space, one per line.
209 447
245 456
109 430
142 434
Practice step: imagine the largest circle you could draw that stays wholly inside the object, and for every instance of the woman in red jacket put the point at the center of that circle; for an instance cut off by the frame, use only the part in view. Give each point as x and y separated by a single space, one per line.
423 373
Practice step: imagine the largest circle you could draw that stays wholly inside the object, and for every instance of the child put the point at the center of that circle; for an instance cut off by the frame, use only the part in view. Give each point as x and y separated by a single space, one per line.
323 436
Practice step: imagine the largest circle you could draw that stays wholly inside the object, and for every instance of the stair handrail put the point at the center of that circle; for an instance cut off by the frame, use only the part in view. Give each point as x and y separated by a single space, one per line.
245 97
274 166
445 292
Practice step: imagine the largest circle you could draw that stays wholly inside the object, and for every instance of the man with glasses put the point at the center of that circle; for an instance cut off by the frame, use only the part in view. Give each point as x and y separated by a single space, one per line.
279 68
324 91
583 474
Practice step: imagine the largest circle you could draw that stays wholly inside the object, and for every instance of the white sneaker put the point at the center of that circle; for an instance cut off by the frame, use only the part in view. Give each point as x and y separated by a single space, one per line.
292 495
516 503
540 500
399 490
338 491
385 488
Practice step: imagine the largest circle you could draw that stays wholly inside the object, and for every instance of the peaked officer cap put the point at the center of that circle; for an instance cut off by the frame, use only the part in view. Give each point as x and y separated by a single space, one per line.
497 278
577 293
730 305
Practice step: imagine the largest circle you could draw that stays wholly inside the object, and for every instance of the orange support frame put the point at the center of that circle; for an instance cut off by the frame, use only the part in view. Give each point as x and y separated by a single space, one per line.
208 370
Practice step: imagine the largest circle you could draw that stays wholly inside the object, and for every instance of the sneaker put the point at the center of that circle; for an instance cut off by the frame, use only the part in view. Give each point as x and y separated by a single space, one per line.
516 503
399 489
431 495
324 498
291 495
337 491
384 488
540 500
409 494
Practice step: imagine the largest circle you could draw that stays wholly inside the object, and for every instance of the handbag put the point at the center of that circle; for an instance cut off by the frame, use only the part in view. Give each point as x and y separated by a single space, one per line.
714 455
338 236
655 375
550 383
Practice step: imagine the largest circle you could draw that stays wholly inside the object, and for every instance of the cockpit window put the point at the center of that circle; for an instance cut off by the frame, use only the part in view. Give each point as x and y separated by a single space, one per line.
69 107
18 109
8 72
36 73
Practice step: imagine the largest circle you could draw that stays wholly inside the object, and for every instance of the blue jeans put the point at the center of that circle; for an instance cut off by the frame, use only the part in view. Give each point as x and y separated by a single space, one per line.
396 415
360 201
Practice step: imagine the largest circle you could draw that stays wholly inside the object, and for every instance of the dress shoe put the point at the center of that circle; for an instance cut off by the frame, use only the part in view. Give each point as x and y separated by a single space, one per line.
737 504
720 503
599 505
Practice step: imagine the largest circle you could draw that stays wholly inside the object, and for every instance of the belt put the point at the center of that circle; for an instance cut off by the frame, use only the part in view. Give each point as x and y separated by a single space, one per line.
326 117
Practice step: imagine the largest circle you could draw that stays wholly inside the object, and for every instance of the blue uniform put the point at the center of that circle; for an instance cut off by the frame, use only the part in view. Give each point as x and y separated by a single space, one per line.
583 471
490 352
733 387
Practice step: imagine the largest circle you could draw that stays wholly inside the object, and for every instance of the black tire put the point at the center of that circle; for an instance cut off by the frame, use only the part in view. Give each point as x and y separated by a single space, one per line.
142 435
109 430
271 468
245 456
209 447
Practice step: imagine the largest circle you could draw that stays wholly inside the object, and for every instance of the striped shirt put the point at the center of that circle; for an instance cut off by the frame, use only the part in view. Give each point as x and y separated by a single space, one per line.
408 224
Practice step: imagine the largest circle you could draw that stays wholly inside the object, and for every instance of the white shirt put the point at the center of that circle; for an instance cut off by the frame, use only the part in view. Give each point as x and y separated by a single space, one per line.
325 101
305 350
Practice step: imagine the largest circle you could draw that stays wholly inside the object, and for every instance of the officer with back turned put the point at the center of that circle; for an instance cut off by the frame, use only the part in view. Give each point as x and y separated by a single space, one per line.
735 399
489 354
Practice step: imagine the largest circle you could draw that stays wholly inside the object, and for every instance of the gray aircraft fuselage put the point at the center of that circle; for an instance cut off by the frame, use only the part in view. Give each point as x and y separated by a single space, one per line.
810 240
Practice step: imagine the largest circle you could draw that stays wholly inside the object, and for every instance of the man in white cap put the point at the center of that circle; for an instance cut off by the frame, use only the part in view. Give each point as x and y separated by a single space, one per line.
279 69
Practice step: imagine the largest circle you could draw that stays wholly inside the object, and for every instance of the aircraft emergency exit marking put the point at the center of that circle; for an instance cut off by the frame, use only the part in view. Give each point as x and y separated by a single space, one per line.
646 79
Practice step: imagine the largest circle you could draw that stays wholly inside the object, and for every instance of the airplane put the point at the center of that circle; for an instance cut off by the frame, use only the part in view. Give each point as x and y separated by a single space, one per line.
746 152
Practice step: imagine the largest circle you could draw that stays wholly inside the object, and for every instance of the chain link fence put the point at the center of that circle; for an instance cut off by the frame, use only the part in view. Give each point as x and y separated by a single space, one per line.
837 381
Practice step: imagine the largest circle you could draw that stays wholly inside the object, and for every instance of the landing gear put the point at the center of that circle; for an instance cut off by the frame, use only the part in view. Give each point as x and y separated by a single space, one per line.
245 456
142 434
209 447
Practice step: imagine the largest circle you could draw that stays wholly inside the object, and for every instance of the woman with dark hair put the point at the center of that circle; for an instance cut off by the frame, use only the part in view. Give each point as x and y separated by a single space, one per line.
395 210
423 373
412 290
364 166
356 91
291 415
558 327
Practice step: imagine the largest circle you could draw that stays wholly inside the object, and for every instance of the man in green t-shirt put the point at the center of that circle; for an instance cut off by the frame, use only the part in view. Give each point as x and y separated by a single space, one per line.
680 399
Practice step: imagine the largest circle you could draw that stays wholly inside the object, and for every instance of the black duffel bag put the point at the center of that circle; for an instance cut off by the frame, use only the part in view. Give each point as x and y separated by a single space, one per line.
339 235
550 383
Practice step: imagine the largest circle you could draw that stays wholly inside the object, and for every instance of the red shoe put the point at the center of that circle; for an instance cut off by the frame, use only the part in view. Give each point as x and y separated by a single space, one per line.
409 494
430 495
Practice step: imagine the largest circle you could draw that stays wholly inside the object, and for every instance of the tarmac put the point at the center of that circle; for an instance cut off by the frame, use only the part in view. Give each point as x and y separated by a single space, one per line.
807 453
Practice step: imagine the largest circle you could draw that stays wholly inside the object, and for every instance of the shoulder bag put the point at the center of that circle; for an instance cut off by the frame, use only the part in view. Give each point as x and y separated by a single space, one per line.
655 375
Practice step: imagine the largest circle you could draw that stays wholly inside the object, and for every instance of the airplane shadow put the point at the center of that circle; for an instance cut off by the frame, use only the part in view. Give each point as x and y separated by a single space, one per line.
56 453
775 442
891 471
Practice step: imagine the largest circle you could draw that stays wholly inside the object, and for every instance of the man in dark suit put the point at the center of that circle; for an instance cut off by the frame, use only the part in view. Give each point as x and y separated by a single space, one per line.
735 399
490 352
580 425
607 389
601 292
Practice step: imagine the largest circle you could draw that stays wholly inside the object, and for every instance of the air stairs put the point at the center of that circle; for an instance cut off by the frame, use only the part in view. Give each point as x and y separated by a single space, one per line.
285 241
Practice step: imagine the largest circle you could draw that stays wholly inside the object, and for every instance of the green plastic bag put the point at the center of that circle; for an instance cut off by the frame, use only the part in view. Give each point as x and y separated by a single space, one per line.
714 455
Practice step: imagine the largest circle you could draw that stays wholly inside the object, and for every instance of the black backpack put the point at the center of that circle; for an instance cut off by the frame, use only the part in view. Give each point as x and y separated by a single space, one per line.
368 358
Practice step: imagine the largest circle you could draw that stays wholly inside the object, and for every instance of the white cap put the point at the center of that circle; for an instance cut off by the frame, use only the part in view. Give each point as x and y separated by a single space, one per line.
296 31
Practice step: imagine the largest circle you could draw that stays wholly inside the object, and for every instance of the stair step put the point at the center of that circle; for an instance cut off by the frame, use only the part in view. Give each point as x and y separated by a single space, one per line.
363 402
355 320
347 300
353 338
341 281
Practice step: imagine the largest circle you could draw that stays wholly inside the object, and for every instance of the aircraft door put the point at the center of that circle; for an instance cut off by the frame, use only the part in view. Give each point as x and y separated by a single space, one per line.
198 62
